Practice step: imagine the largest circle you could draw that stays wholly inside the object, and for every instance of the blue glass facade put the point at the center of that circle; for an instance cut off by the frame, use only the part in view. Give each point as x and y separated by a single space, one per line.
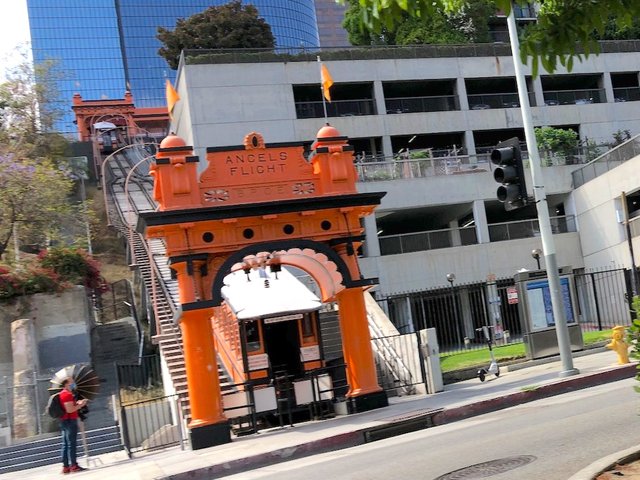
82 38
103 46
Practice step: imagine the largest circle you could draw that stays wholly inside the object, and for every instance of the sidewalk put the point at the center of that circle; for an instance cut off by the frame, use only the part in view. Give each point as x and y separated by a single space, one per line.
458 401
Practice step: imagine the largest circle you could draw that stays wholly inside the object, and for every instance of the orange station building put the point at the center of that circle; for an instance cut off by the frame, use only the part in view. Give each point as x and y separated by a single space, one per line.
261 206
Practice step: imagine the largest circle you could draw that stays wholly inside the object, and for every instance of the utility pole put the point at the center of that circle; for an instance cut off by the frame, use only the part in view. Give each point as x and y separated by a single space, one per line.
548 244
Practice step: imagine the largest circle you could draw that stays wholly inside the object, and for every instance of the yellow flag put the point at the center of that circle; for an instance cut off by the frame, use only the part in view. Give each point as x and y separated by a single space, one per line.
327 81
172 97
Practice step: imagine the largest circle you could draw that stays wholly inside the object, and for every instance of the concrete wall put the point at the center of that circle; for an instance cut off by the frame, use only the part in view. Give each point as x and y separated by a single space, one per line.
597 205
62 324
455 189
227 101
424 270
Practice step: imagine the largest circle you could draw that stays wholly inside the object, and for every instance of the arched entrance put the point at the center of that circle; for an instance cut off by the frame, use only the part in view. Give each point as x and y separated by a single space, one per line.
261 206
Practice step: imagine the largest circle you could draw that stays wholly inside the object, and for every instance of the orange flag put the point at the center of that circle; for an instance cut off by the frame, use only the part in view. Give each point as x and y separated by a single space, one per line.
172 97
327 81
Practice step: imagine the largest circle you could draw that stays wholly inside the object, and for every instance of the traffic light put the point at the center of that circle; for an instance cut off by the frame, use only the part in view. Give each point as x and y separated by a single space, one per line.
509 171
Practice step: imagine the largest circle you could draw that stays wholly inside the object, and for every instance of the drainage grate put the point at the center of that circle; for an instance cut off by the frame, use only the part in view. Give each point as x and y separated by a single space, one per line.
488 469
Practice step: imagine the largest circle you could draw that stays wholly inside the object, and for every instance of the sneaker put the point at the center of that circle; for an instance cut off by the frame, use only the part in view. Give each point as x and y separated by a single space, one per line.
76 468
66 470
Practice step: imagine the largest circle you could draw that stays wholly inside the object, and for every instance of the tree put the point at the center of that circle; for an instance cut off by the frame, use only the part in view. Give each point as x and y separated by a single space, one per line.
439 27
565 28
227 26
33 200
356 31
28 112
34 182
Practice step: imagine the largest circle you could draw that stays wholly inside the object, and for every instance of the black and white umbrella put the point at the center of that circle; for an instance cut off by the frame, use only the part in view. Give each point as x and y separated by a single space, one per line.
86 380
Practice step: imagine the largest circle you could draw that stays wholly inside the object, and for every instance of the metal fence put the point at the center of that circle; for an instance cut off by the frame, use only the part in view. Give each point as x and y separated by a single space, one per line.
440 103
604 163
626 94
151 424
337 108
378 52
574 97
529 228
399 363
397 169
141 380
431 240
603 297
23 406
456 311
488 101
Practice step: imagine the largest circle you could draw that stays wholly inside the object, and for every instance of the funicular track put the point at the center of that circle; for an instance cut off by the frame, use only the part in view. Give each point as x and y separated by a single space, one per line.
147 258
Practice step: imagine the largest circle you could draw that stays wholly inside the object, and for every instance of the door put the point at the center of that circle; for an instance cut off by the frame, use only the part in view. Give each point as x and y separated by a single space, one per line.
282 344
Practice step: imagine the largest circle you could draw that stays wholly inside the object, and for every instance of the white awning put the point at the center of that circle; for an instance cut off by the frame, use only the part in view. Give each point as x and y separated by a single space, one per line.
262 295
103 125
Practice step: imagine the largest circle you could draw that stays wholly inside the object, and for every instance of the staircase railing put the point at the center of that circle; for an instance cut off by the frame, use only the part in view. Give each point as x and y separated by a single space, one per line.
225 331
392 362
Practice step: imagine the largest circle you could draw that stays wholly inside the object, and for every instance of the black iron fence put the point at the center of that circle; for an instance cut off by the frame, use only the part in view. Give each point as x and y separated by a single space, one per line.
458 310
139 381
399 363
151 424
116 303
603 298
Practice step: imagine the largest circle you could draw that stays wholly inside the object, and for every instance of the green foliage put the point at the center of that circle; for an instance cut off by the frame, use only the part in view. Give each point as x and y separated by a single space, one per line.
474 358
619 137
557 140
614 31
52 271
28 112
565 28
33 200
439 27
232 25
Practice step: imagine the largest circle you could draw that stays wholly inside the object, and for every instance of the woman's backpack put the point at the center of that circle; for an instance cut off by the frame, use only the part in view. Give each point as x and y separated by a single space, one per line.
54 406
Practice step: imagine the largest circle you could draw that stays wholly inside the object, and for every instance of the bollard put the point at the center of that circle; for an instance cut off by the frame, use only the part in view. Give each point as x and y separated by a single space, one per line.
618 345
506 335
467 343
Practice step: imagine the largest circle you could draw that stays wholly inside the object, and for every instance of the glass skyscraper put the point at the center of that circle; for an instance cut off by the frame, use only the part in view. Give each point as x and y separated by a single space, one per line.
104 47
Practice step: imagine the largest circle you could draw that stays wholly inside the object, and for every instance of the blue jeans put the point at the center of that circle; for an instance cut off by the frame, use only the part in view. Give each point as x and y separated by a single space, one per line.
69 436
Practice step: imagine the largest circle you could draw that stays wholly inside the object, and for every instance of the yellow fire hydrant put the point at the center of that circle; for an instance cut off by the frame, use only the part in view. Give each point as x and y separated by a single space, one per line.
618 345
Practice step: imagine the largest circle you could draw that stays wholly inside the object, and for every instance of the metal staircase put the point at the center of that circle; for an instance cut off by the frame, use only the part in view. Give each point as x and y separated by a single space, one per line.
148 258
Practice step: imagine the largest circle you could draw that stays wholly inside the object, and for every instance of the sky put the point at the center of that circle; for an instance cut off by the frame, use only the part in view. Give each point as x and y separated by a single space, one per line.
14 32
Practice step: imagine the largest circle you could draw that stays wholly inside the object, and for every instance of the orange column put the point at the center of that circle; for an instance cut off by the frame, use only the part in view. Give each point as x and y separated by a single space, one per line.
208 425
202 368
356 343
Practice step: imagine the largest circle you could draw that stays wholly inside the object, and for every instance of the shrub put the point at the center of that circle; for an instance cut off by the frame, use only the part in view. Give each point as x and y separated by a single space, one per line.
53 271
74 266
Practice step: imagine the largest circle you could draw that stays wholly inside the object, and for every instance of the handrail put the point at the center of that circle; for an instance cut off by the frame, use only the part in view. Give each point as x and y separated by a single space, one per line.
401 372
222 348
529 220
441 230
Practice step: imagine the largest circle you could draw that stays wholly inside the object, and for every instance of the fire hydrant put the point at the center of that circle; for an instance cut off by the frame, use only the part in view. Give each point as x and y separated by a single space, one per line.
619 346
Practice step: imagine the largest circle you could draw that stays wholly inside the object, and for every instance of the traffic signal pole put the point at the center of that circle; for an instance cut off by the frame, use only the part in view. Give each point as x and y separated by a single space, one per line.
548 244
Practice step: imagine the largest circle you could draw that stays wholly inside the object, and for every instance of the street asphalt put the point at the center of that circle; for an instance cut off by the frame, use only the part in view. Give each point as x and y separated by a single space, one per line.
516 385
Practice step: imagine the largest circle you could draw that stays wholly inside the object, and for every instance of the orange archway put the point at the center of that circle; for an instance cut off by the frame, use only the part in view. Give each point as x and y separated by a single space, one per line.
261 205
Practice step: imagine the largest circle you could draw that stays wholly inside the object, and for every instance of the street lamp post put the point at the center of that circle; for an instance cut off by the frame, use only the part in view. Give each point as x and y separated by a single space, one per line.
535 253
546 234
451 277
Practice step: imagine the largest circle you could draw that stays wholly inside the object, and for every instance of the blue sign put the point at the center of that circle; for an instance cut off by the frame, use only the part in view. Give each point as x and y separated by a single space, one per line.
539 303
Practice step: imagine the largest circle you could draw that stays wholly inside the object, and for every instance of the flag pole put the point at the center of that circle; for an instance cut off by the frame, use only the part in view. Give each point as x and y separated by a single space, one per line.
324 100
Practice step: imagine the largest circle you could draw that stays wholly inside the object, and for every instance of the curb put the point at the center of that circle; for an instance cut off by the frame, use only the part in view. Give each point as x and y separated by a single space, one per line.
541 361
600 466
418 422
